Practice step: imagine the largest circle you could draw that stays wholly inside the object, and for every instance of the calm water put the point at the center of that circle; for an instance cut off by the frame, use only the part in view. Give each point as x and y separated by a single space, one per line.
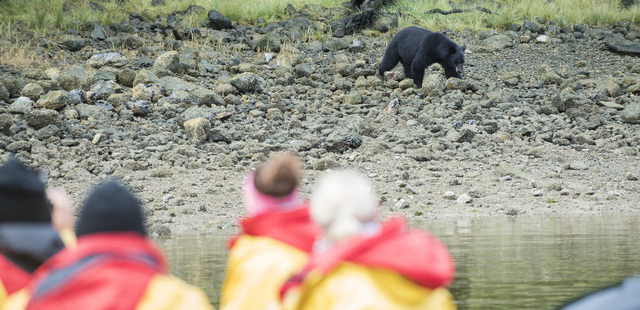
502 263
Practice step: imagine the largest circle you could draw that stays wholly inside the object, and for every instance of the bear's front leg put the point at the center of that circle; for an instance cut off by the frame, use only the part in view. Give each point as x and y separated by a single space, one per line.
417 73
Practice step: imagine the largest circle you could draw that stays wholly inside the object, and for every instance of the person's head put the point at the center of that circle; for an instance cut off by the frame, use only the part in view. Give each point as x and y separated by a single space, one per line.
110 208
342 202
273 186
22 194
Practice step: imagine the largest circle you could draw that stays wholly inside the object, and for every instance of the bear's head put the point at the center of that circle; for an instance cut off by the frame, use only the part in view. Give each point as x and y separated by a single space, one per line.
456 57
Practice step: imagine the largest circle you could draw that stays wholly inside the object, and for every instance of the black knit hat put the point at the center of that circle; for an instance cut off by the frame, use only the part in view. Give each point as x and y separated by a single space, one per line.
22 194
110 208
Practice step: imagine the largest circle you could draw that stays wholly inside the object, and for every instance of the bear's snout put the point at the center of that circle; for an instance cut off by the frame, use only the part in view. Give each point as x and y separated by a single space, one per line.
459 68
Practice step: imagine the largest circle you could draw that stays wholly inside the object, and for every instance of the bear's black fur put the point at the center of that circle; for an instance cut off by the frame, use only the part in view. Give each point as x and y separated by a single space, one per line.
417 48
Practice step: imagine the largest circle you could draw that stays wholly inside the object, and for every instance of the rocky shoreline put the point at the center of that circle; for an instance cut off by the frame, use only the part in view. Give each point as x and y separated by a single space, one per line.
546 120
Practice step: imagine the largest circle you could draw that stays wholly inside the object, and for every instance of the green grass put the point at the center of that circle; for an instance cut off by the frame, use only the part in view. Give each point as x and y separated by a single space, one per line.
508 12
46 16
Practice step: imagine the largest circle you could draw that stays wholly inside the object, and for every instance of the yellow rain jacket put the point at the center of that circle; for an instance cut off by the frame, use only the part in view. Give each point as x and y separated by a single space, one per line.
355 287
394 269
270 249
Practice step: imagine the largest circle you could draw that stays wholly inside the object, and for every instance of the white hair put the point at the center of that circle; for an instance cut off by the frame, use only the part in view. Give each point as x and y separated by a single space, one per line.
342 202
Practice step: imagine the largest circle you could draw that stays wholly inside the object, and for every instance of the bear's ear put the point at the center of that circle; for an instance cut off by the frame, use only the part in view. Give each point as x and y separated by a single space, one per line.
464 47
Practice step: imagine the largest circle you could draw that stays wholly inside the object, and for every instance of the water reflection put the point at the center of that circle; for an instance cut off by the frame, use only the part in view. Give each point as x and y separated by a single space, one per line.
502 263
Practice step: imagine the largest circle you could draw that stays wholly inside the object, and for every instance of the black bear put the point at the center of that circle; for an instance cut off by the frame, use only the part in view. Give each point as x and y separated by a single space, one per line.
417 48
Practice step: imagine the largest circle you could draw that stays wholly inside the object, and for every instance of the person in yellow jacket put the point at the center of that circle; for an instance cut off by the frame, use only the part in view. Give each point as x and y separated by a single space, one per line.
114 265
275 240
27 236
363 264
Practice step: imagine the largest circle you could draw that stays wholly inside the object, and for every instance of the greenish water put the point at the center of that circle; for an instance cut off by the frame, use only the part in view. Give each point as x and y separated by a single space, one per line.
502 263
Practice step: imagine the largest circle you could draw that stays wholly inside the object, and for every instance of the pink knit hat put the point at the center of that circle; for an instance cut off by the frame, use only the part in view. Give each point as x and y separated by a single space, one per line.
258 203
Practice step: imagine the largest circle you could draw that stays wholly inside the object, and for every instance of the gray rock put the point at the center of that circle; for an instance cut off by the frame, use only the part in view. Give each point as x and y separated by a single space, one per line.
43 117
494 43
465 134
98 32
32 91
248 82
268 43
161 230
515 27
107 59
610 85
138 107
324 164
464 199
385 23
400 204
167 64
126 76
75 77
300 145
543 39
345 69
75 45
579 28
196 112
533 27
4 93
336 44
77 96
548 76
53 100
353 98
102 90
150 92
433 85
358 44
145 76
303 70
47 132
6 121
22 105
93 112
459 84
218 21
577 165
19 146
203 96
631 113
102 75
197 130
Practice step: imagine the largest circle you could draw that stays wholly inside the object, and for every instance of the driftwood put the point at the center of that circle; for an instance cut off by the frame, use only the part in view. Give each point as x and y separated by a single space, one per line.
630 50
454 11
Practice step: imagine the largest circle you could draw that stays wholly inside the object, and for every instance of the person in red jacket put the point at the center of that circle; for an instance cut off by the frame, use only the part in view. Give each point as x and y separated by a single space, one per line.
27 238
361 263
114 265
275 239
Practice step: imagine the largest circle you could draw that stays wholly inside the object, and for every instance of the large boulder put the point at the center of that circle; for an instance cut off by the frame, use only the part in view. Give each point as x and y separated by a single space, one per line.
44 117
167 64
248 82
197 129
269 43
218 21
53 100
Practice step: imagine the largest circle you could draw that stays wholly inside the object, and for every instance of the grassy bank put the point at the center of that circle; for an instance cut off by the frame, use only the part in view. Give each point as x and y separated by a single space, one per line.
43 16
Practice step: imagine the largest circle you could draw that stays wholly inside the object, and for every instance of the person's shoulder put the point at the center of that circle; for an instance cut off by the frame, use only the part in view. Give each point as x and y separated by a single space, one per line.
170 292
